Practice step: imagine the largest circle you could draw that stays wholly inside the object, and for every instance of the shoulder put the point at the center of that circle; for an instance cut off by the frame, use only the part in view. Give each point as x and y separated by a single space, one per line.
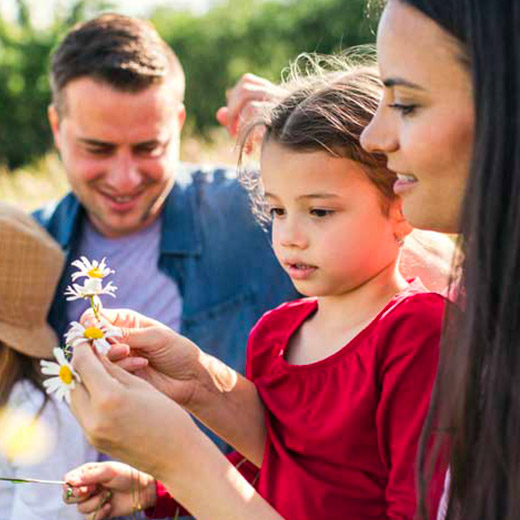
411 326
417 305
26 397
59 217
211 182
272 331
275 324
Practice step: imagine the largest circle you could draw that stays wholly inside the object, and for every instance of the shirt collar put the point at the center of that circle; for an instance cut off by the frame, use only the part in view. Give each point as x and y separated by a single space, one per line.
181 233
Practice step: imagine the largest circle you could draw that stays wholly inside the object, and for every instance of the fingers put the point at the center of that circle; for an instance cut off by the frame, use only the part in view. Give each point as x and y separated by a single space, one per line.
119 373
75 495
118 351
249 90
121 318
146 339
133 364
223 116
91 474
94 376
97 506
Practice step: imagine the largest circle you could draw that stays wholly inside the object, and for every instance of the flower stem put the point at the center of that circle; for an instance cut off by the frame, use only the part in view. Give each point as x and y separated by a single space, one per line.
94 307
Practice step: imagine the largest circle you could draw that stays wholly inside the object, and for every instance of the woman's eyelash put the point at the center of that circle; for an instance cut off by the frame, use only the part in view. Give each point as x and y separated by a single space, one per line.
404 109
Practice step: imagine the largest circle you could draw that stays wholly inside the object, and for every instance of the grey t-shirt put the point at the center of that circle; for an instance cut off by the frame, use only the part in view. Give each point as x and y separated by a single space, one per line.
140 284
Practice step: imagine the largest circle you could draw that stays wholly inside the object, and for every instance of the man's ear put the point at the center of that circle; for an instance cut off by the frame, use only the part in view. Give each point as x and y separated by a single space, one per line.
181 115
54 122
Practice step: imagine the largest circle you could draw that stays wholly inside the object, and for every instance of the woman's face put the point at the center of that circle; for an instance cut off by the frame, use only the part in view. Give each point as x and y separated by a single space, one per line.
424 123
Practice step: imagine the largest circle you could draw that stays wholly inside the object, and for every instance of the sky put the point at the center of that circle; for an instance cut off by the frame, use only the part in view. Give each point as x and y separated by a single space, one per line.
42 10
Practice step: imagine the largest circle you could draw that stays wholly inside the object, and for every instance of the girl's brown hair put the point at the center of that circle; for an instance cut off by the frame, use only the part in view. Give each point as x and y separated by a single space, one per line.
14 367
329 101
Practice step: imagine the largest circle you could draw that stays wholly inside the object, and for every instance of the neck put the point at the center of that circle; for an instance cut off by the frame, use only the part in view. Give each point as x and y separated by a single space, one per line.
362 303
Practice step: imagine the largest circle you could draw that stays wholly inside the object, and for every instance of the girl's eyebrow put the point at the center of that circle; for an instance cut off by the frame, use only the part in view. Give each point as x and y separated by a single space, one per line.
319 196
400 82
308 196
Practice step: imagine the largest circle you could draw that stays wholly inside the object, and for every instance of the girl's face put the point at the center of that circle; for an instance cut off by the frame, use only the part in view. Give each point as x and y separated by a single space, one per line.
329 231
424 123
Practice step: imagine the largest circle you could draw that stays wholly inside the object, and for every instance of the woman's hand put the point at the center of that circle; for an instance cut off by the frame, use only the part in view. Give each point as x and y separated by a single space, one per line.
108 489
168 361
124 416
216 394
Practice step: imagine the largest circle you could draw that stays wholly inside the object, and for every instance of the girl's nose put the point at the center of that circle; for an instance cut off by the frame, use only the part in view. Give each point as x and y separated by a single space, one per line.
290 233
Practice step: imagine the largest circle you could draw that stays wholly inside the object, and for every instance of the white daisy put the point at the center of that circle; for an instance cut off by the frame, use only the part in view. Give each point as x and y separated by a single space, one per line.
97 335
65 376
90 269
92 287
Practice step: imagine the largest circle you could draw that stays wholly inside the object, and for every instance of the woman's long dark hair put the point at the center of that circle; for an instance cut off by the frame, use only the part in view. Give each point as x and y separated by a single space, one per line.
477 396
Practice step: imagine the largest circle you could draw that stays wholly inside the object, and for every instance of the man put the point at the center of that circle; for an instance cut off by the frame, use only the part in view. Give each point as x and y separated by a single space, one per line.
184 245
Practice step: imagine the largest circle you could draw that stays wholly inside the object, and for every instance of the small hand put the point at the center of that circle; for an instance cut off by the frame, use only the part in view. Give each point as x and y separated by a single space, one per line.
108 489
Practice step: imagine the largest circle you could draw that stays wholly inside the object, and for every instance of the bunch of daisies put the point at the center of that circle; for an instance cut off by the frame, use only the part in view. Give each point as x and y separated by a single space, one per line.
97 333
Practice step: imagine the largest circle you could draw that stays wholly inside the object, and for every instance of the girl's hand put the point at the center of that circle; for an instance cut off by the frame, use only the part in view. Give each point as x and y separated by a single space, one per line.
109 489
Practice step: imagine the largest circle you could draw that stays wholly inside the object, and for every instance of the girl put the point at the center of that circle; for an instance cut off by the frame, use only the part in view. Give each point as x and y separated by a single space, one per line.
30 266
343 376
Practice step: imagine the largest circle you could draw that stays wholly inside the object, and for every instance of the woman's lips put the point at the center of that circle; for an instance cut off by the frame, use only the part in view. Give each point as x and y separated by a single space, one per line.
404 183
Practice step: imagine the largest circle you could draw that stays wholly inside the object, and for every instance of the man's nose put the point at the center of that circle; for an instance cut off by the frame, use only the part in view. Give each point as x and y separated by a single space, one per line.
124 175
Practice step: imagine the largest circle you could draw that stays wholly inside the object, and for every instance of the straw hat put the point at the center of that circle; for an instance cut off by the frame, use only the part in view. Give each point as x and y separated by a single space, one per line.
31 263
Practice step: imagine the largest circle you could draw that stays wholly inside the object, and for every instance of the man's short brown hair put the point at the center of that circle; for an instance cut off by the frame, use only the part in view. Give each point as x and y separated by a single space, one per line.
124 52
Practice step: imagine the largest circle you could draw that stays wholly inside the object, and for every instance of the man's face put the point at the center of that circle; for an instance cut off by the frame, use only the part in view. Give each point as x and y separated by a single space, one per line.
120 150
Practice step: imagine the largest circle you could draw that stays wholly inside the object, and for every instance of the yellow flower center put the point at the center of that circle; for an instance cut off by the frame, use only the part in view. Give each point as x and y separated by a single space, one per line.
93 333
95 273
66 375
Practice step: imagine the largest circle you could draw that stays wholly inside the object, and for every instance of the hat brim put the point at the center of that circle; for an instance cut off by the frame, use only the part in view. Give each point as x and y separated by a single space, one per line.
37 342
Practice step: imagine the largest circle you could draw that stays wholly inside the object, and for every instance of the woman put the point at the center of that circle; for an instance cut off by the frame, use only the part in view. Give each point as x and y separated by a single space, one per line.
456 89
449 114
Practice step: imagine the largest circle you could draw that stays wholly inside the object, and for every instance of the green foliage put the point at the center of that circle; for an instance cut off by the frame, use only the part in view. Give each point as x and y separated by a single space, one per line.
257 36
216 48
24 86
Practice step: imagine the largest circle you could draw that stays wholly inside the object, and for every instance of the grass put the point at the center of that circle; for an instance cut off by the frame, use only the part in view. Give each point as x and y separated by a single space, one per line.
44 180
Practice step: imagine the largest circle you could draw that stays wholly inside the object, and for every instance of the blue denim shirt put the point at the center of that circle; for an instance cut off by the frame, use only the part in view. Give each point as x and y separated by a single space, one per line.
212 247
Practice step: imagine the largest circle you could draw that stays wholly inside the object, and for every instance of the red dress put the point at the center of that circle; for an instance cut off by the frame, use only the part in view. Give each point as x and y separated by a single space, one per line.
342 433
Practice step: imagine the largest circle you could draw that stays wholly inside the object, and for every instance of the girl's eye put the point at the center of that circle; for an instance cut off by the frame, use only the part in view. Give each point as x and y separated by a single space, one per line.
320 213
276 212
405 110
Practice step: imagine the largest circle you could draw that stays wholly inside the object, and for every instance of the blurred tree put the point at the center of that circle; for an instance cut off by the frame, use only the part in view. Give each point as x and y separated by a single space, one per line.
216 48
24 86
260 36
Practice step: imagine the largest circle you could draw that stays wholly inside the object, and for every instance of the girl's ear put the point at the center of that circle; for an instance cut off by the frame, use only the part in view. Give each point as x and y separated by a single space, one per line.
401 226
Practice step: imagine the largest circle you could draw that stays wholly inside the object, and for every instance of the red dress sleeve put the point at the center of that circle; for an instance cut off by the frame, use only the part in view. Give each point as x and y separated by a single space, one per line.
408 360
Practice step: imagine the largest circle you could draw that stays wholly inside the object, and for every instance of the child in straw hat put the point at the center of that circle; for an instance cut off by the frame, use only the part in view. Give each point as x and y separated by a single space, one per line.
39 437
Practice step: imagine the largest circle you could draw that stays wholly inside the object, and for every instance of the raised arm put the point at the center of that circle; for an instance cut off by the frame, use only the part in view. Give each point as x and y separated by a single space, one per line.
127 418
217 395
